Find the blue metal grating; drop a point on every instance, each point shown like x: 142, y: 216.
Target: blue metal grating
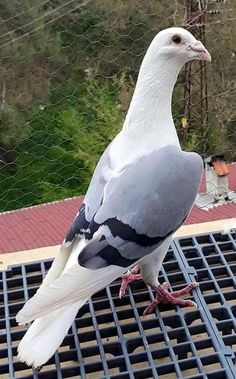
x: 111, y: 339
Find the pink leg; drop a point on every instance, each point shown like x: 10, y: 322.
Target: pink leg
x: 165, y: 297
x: 129, y: 277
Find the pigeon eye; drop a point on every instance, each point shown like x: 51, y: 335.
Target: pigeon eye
x: 177, y: 39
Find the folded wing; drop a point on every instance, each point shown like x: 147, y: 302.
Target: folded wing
x: 141, y: 207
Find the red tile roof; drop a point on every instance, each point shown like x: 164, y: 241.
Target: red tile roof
x: 46, y: 224
x: 38, y: 226
x: 221, y: 212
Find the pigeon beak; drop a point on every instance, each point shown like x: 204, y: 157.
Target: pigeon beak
x: 201, y: 51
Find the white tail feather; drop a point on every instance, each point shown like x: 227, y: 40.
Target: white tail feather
x: 54, y: 306
x: 46, y: 334
x: 73, y: 286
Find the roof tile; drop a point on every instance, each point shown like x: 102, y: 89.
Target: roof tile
x: 46, y: 224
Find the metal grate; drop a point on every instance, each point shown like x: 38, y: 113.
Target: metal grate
x: 111, y: 339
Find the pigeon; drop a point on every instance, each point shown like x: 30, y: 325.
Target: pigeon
x: 141, y: 192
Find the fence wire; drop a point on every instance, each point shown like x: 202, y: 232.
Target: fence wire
x: 68, y: 71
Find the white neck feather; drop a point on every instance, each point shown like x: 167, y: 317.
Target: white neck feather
x: 150, y: 113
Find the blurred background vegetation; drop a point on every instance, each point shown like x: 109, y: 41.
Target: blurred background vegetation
x: 67, y: 76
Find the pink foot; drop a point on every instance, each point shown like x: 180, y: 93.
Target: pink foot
x: 129, y: 277
x: 165, y: 297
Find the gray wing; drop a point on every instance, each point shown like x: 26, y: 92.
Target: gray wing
x: 85, y: 214
x: 141, y: 207
x: 92, y: 200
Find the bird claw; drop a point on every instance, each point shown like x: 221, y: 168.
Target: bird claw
x: 129, y: 277
x: 166, y: 297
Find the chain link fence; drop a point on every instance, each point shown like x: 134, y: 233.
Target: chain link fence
x: 68, y: 71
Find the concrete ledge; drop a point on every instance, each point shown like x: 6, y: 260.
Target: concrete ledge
x: 223, y: 226
x: 18, y: 257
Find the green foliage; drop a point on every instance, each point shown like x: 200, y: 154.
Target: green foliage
x: 66, y: 83
x: 59, y: 154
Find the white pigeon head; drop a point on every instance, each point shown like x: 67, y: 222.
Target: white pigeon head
x: 179, y: 44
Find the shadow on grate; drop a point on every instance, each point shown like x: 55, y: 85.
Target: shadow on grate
x: 111, y: 339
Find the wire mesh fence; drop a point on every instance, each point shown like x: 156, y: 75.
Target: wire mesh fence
x: 68, y: 71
